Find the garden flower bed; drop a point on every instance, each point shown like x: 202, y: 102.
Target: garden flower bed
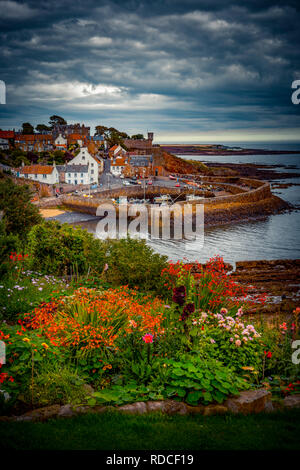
x: 190, y: 349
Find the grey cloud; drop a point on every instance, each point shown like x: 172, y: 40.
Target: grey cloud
x: 232, y: 64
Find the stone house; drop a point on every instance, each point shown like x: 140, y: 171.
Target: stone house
x: 142, y: 145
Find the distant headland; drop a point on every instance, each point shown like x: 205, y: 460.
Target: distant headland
x: 214, y: 149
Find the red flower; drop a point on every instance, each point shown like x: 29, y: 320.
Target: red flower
x: 148, y: 338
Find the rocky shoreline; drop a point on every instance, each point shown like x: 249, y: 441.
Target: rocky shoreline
x: 215, y: 151
x: 279, y: 279
x: 257, y: 171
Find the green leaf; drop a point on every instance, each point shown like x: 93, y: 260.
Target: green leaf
x: 178, y: 372
x: 193, y: 397
x: 180, y: 392
x: 207, y: 396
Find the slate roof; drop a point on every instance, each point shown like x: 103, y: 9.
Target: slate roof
x: 140, y: 160
x: 76, y: 168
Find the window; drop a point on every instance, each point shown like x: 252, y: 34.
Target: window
x: 44, y: 176
x: 83, y: 157
x: 69, y: 182
x: 69, y: 175
x: 75, y: 175
x: 92, y: 164
x: 81, y: 181
x: 92, y: 172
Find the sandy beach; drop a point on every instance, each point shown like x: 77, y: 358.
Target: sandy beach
x: 45, y: 213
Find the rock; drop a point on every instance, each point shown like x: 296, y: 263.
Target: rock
x: 175, y: 407
x: 292, y: 401
x: 24, y: 418
x: 39, y: 414
x: 196, y: 410
x: 139, y: 407
x: 250, y: 401
x: 4, y: 419
x: 155, y: 406
x: 67, y: 411
x: 269, y: 408
x: 214, y: 410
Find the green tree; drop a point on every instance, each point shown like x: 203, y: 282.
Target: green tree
x: 138, y: 136
x: 27, y: 128
x: 42, y: 127
x: 56, y: 120
x: 59, y: 157
x: 19, y: 214
x: 17, y: 156
x: 100, y: 130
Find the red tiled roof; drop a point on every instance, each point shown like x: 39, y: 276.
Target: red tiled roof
x: 118, y: 162
x: 97, y: 159
x: 7, y: 134
x: 75, y: 136
x: 114, y: 147
x: 33, y: 137
x: 37, y: 170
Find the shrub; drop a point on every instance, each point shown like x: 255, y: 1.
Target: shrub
x: 8, y: 243
x: 56, y: 384
x: 20, y: 215
x: 61, y: 249
x: 209, y: 288
x: 133, y: 263
x: 26, y: 351
x: 229, y: 339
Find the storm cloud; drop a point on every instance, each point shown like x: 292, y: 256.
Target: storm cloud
x: 188, y: 70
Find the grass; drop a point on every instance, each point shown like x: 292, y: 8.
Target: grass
x: 114, y: 431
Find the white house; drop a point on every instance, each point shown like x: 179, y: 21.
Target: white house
x: 41, y: 173
x: 4, y: 144
x: 117, y: 165
x: 61, y: 143
x: 95, y: 165
x: 77, y: 174
x: 116, y: 150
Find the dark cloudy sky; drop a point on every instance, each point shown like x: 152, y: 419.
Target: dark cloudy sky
x: 188, y: 70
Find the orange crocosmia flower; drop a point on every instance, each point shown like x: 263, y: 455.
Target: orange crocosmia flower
x: 87, y: 320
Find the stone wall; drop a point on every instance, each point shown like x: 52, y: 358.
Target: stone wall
x: 261, y: 192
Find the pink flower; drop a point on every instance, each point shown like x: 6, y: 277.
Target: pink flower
x: 212, y: 341
x: 148, y: 338
x: 105, y: 267
x: 238, y: 343
x: 231, y: 340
